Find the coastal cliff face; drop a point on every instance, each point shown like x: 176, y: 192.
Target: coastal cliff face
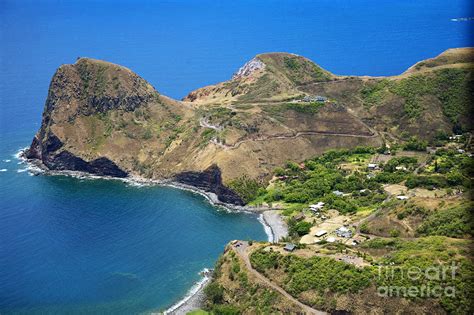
x: 210, y: 180
x: 83, y: 90
x: 104, y: 119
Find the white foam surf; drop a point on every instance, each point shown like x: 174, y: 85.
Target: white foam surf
x: 267, y: 228
x: 195, y: 289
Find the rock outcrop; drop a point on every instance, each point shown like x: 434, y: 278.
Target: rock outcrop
x: 49, y: 153
x: 210, y: 180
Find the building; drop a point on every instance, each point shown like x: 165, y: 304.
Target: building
x: 289, y: 247
x: 338, y: 193
x: 372, y: 166
x: 331, y: 239
x: 317, y: 207
x: 317, y: 98
x: 401, y: 197
x: 320, y: 233
x: 300, y: 216
x: 344, y: 232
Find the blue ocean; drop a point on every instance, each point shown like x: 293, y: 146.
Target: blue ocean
x: 72, y: 245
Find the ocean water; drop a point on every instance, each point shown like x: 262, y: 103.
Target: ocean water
x: 97, y: 246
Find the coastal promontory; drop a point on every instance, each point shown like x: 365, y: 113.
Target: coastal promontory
x: 104, y: 119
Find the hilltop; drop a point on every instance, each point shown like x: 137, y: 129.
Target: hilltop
x: 104, y: 119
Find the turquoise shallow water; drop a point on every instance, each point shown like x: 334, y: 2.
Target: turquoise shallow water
x: 96, y: 246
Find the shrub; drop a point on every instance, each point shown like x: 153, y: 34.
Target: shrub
x: 247, y: 188
x: 299, y: 228
x: 453, y: 222
x: 414, y: 144
x: 214, y: 292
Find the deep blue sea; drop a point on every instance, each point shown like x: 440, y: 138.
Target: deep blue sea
x: 96, y: 246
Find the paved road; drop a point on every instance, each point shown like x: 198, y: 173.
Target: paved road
x: 242, y: 252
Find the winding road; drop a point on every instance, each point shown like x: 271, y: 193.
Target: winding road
x: 293, y: 136
x: 205, y: 124
x: 243, y: 253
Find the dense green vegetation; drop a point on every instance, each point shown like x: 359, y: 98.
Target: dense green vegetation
x: 428, y: 256
x: 452, y: 87
x: 318, y: 273
x: 250, y: 297
x: 318, y: 178
x: 298, y: 228
x: 423, y: 254
x: 247, y: 188
x: 414, y: 144
x: 453, y: 222
x: 374, y: 92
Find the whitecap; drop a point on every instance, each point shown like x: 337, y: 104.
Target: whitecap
x: 21, y: 170
x: 3, y: 170
x: 19, y: 154
x: 7, y: 161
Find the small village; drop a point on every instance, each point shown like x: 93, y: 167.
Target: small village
x: 329, y: 226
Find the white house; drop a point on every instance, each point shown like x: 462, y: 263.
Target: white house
x: 401, y: 197
x: 317, y: 207
x: 320, y: 233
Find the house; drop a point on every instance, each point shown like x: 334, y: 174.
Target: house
x: 370, y: 175
x: 331, y: 239
x: 401, y: 197
x: 338, y: 193
x: 372, y: 166
x: 317, y: 98
x: 317, y: 207
x: 354, y: 243
x: 320, y: 233
x: 344, y: 232
x: 461, y: 151
x: 289, y: 247
x: 400, y: 168
x: 300, y: 216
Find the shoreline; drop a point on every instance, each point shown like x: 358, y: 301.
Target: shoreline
x: 194, y: 297
x: 274, y: 226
